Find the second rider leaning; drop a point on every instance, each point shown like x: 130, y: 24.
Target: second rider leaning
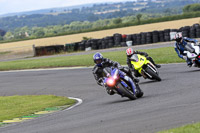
x: 130, y: 52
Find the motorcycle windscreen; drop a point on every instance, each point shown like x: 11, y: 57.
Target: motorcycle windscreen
x: 137, y: 61
x: 115, y: 73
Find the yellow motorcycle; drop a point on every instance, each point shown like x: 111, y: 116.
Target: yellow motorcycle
x: 145, y: 67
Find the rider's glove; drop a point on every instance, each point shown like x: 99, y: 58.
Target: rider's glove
x: 120, y: 68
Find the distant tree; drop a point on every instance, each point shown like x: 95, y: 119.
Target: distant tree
x: 8, y: 36
x: 2, y: 32
x: 191, y: 8
x: 1, y: 38
x: 39, y: 33
x: 117, y: 20
x: 139, y: 17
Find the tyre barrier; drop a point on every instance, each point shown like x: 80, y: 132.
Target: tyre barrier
x: 122, y: 40
x: 143, y: 37
x: 161, y: 36
x: 134, y: 37
x: 149, y: 37
x: 49, y: 50
x: 155, y: 36
x: 138, y: 39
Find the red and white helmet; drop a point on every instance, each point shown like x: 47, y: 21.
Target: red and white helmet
x: 178, y: 36
x: 129, y: 51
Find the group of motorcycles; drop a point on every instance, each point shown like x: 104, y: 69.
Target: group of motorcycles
x: 147, y: 69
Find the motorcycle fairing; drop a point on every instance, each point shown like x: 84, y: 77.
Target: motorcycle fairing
x: 138, y: 61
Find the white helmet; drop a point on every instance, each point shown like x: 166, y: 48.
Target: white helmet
x: 178, y: 37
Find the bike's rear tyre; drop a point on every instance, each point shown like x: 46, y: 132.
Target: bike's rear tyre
x: 125, y: 92
x: 153, y: 74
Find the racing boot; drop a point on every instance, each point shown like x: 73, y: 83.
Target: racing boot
x: 189, y: 62
x: 157, y: 65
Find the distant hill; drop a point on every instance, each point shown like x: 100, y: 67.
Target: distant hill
x: 92, y: 12
x: 45, y: 11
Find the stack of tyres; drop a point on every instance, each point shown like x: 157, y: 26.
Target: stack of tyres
x: 155, y: 36
x: 76, y: 46
x: 88, y: 45
x: 186, y: 31
x: 117, y: 39
x: 149, y: 37
x: 161, y: 36
x: 192, y: 32
x: 94, y: 44
x: 103, y: 43
x: 197, y: 27
x: 82, y: 45
x: 143, y: 37
x: 110, y: 41
x: 124, y: 37
x: 99, y: 43
x: 134, y: 38
x: 128, y: 38
x: 167, y: 35
x: 138, y: 39
x: 69, y: 47
x: 106, y: 42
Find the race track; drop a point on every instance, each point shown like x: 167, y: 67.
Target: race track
x: 170, y: 103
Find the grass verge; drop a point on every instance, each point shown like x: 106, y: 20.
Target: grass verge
x: 191, y: 128
x: 160, y: 55
x: 18, y: 106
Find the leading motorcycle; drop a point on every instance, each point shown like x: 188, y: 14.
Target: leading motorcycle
x: 193, y: 53
x: 115, y: 81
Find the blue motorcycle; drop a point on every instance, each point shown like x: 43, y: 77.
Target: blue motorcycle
x: 121, y: 84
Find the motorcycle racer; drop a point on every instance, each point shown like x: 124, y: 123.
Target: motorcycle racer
x: 130, y: 52
x: 101, y: 63
x: 180, y: 44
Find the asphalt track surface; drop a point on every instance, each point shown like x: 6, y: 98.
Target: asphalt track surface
x: 173, y: 102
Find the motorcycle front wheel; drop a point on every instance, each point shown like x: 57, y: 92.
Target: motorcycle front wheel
x: 153, y: 74
x: 125, y: 92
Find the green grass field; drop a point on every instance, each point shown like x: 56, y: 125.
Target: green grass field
x: 18, y: 106
x: 191, y: 128
x: 160, y: 55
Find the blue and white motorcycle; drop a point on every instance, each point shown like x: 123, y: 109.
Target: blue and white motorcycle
x: 121, y: 83
x: 193, y: 53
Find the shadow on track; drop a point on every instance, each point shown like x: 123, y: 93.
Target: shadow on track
x: 149, y: 82
x: 189, y: 70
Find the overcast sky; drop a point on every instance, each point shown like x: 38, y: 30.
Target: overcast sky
x: 12, y: 6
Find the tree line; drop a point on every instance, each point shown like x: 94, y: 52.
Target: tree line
x: 26, y: 32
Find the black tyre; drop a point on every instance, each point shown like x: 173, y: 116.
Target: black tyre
x: 125, y: 92
x: 140, y: 92
x: 153, y: 74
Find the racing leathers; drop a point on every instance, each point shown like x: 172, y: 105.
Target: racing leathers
x: 99, y: 73
x: 180, y: 47
x: 128, y: 61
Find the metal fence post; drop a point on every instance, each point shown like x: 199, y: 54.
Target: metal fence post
x: 34, y: 51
